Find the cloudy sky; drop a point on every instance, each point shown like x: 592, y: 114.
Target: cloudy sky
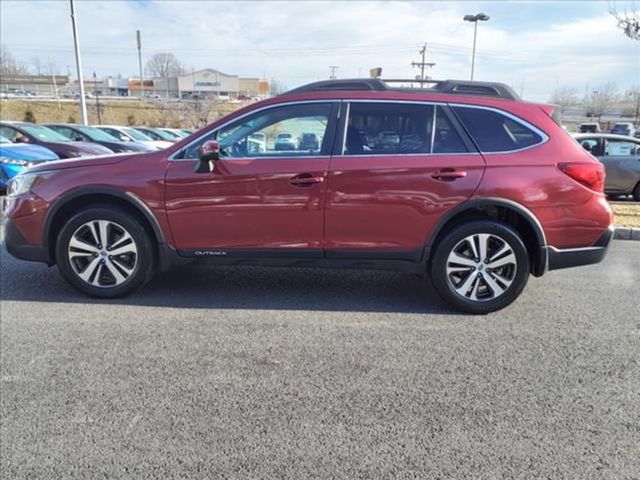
x: 533, y: 46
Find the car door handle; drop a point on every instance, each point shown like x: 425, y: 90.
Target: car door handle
x: 448, y: 174
x: 305, y: 180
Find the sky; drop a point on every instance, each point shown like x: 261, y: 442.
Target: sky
x: 532, y: 46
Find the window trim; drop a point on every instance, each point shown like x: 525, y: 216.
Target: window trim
x: 524, y: 123
x: 172, y: 158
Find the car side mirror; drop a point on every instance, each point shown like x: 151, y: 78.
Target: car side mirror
x: 209, y: 154
x: 21, y: 139
x: 78, y: 138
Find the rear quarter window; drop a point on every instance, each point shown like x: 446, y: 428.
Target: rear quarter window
x: 493, y: 131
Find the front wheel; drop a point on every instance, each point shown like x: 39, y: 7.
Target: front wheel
x: 104, y: 252
x: 480, y: 267
x: 636, y: 193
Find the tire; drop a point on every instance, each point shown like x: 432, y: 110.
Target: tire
x: 636, y: 193
x: 92, y: 267
x: 457, y: 268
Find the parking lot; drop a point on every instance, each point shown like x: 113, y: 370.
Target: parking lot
x: 256, y: 373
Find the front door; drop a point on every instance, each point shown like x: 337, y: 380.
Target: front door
x: 267, y: 191
x: 401, y: 167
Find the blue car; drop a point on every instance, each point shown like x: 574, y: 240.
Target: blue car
x: 15, y: 157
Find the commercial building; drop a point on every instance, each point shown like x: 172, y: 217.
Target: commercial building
x: 37, y: 84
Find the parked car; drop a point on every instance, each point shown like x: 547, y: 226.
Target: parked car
x: 285, y: 141
x: 309, y: 141
x: 24, y: 132
x: 158, y: 134
x: 620, y: 156
x: 589, y: 127
x: 83, y: 133
x: 487, y: 190
x: 178, y: 133
x: 130, y: 134
x: 624, y: 128
x: 15, y: 157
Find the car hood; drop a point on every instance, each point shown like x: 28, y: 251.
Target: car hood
x: 81, y: 162
x: 23, y: 151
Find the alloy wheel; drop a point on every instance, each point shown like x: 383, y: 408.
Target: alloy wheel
x: 102, y: 253
x: 481, y: 267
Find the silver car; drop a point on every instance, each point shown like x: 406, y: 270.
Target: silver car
x: 620, y: 156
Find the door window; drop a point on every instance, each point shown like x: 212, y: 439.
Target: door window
x: 288, y: 131
x: 621, y: 148
x: 388, y: 128
x: 446, y: 138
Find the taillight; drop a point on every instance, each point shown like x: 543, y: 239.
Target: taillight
x: 591, y: 174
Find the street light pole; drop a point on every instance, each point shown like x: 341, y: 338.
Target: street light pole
x: 474, y: 19
x: 76, y: 45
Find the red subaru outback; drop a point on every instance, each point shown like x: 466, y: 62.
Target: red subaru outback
x: 462, y: 181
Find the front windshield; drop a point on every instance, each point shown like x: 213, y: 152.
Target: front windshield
x: 136, y: 135
x: 44, y: 133
x: 97, y: 134
x: 169, y: 135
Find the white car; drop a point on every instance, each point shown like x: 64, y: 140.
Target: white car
x: 129, y: 134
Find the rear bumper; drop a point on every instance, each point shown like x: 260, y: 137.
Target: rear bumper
x: 575, y: 257
x: 20, y: 248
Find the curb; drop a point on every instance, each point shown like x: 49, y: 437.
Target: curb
x: 626, y: 233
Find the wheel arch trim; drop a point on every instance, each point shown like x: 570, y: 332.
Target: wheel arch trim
x: 484, y: 202
x: 128, y: 197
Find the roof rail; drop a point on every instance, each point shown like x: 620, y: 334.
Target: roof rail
x: 457, y: 87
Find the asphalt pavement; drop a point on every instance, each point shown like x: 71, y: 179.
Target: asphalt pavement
x: 267, y: 373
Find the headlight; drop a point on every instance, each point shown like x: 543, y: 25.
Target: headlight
x: 15, y: 161
x: 23, y: 183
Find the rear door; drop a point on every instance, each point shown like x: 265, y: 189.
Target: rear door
x: 397, y: 169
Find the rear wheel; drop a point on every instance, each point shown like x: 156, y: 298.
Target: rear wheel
x: 480, y: 267
x: 104, y: 252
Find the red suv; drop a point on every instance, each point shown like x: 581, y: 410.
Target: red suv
x: 462, y: 181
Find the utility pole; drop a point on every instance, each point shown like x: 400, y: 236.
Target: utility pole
x: 95, y: 92
x: 76, y: 44
x: 422, y: 64
x: 139, y: 41
x: 332, y: 75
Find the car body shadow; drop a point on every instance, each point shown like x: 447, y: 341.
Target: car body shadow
x: 214, y: 287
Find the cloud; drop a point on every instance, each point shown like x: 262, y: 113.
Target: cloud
x: 295, y: 42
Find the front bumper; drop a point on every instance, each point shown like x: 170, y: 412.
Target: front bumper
x: 20, y: 248
x: 575, y: 257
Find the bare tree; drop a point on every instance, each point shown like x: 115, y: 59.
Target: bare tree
x: 164, y: 65
x: 628, y: 21
x: 276, y: 88
x: 9, y: 67
x: 564, y: 97
x: 601, y: 99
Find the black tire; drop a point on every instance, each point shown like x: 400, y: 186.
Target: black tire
x: 141, y: 264
x: 486, y: 301
x: 636, y: 193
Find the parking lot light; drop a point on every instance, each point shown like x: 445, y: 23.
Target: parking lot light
x: 482, y: 17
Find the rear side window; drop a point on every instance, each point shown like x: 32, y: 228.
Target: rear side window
x: 494, y: 132
x: 388, y: 128
x: 446, y: 138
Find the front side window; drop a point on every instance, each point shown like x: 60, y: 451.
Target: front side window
x: 284, y: 131
x: 494, y: 132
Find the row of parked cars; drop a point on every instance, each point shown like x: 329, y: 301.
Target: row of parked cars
x: 24, y: 144
x: 627, y: 129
